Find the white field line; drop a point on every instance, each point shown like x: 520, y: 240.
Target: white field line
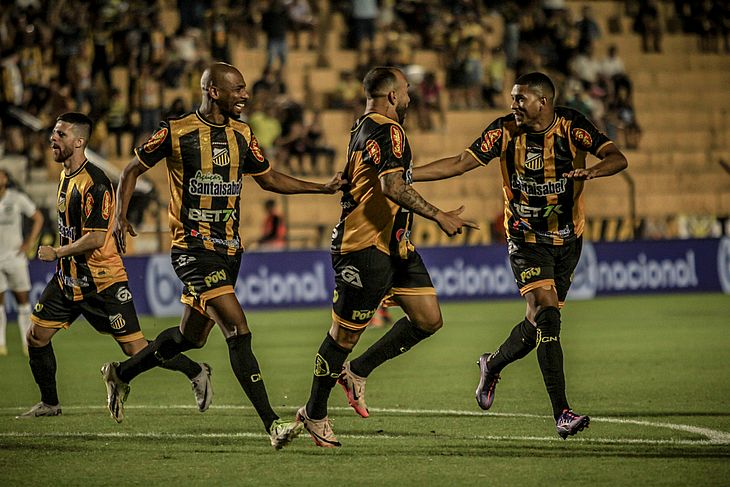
x: 713, y: 437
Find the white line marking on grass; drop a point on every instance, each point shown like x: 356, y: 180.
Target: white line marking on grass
x: 713, y: 437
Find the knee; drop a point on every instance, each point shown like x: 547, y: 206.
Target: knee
x: 548, y: 320
x: 35, y: 338
x: 430, y: 322
x: 190, y: 342
x: 347, y: 339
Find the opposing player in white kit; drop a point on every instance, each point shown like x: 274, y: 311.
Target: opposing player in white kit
x: 13, y: 262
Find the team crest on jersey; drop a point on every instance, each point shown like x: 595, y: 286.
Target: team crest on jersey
x: 255, y: 149
x: 490, y: 138
x: 373, y: 151
x: 88, y: 205
x: 396, y: 139
x: 156, y: 140
x: 106, y: 205
x: 221, y: 157
x: 583, y: 137
x: 534, y: 160
x: 62, y: 204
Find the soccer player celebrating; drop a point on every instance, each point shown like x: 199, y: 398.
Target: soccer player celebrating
x: 542, y: 153
x: 208, y: 152
x: 90, y: 278
x: 373, y: 256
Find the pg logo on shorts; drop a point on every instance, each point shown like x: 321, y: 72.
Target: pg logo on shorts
x: 351, y: 275
x: 123, y: 295
x: 529, y: 273
x: 215, y: 277
x: 117, y: 321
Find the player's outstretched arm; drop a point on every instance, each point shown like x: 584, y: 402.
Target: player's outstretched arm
x: 445, y: 168
x: 612, y: 161
x: 127, y: 183
x: 278, y: 182
x: 394, y: 188
x: 89, y: 241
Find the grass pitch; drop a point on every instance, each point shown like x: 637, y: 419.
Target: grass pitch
x: 653, y: 373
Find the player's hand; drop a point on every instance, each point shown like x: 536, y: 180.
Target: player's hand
x: 580, y: 174
x: 334, y: 184
x: 47, y: 253
x: 451, y: 224
x: 120, y: 230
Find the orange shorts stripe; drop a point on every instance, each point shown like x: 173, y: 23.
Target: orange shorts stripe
x: 534, y: 285
x: 200, y: 303
x: 406, y: 291
x: 57, y: 325
x: 348, y: 324
x: 130, y: 338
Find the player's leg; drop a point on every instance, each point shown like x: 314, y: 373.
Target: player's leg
x: 24, y: 310
x: 19, y: 283
x: 3, y: 323
x: 52, y: 313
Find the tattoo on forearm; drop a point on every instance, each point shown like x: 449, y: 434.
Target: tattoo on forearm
x: 408, y: 197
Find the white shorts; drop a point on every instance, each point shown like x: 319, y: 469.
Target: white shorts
x: 14, y: 274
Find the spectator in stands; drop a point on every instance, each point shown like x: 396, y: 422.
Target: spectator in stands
x: 648, y: 25
x: 273, y: 235
x: 364, y: 16
x: 303, y: 20
x: 308, y: 140
x: 265, y: 124
x: 431, y: 101
x: 588, y: 29
x: 275, y: 23
x: 117, y: 119
x: 621, y: 122
x: 270, y: 84
x: 611, y: 72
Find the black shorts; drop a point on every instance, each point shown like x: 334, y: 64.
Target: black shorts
x: 365, y: 278
x: 206, y: 274
x: 110, y: 311
x: 536, y: 265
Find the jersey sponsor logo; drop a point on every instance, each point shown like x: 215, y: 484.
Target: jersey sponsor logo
x: 88, y: 205
x: 221, y: 157
x: 526, y: 211
x: 489, y: 139
x: 106, y: 205
x: 529, y: 273
x: 351, y: 275
x: 531, y: 187
x: 396, y: 139
x: 66, y: 231
x: 207, y: 184
x: 583, y: 137
x: 233, y: 243
x: 117, y: 321
x: 211, y: 216
x: 373, y: 150
x: 255, y: 149
x: 75, y: 281
x: 156, y: 140
x: 534, y: 160
x: 215, y: 277
x: 123, y: 295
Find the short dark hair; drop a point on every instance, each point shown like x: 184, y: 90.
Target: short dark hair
x: 84, y: 123
x: 540, y: 81
x: 379, y: 81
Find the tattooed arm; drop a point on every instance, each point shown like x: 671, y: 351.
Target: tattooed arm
x: 396, y: 190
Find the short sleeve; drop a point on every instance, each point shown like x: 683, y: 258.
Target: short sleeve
x: 385, y: 149
x: 157, y: 147
x: 586, y: 136
x: 489, y: 144
x: 98, y: 206
x: 254, y: 162
x: 27, y: 207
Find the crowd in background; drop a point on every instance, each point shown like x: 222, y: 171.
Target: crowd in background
x: 60, y: 56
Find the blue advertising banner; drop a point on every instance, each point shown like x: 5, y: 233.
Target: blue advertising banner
x: 305, y: 278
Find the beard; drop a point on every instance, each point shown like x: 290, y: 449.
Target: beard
x: 400, y: 112
x: 63, y: 154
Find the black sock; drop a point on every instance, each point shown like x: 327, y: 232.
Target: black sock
x: 550, y: 357
x: 399, y: 339
x: 248, y: 373
x: 520, y: 342
x: 165, y: 347
x: 181, y: 363
x: 43, y: 365
x: 327, y: 367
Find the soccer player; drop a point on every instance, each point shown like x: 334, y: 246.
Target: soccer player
x: 90, y: 278
x: 542, y: 152
x: 373, y: 256
x: 13, y: 261
x: 208, y: 152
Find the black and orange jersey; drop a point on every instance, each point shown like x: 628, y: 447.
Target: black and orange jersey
x: 541, y: 205
x: 206, y: 163
x: 378, y: 146
x: 85, y: 203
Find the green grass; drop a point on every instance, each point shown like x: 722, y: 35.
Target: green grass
x: 642, y: 367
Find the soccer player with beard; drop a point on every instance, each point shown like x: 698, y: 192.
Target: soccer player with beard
x: 90, y: 278
x: 207, y: 152
x: 542, y: 152
x: 372, y: 254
